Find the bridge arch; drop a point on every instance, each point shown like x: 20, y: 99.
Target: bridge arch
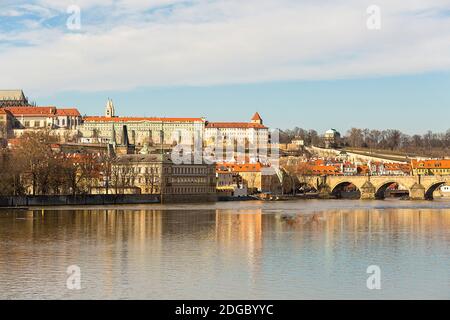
x: 346, y: 188
x: 380, y: 191
x: 431, y: 189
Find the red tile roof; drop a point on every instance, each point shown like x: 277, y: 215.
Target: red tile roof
x: 131, y: 119
x: 247, y: 167
x: 397, y: 167
x: 25, y: 111
x: 321, y: 169
x: 71, y: 112
x: 240, y: 125
x: 46, y: 111
x: 256, y: 117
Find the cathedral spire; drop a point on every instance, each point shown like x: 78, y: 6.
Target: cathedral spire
x: 109, y: 110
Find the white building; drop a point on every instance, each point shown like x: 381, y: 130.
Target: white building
x: 43, y: 117
x: 332, y: 138
x: 245, y: 134
x: 140, y: 129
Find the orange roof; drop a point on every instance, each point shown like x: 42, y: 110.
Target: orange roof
x: 319, y: 162
x: 362, y: 169
x: 397, y: 166
x: 25, y: 111
x: 324, y: 169
x: 130, y: 119
x: 431, y: 164
x: 46, y: 111
x: 256, y: 116
x: 68, y: 112
x: 247, y: 167
x: 241, y: 125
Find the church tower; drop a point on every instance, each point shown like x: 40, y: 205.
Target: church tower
x: 109, y: 110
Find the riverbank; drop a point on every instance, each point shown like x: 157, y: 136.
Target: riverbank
x: 111, y: 201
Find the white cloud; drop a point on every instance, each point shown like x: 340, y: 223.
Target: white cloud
x: 217, y: 42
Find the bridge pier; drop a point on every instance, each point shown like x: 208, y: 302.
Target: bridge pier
x: 368, y: 191
x: 417, y: 192
x: 324, y: 192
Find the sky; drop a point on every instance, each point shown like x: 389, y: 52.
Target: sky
x: 312, y: 64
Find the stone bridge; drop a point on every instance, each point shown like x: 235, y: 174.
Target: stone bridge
x: 374, y: 187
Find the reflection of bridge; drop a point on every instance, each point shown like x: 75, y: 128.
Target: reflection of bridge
x: 374, y: 187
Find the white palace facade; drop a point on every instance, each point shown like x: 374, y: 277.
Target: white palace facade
x: 140, y: 129
x: 143, y: 130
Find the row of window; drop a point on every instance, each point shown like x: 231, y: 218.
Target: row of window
x: 190, y: 170
x: 433, y: 171
x: 42, y: 123
x: 192, y: 190
x: 188, y: 180
x: 151, y: 170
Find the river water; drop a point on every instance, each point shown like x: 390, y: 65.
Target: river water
x: 315, y: 249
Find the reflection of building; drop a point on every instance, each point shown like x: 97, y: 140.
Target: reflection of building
x: 241, y: 225
x: 431, y: 167
x: 13, y: 98
x: 332, y: 138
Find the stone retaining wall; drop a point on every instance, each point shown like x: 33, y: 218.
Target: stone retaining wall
x: 93, y: 199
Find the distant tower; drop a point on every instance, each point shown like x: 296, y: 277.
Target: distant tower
x: 109, y: 110
x: 125, y: 147
x: 125, y: 141
x: 257, y: 118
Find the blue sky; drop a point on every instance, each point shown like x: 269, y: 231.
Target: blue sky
x: 312, y: 64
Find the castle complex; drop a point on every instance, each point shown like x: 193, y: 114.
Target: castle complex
x: 18, y: 116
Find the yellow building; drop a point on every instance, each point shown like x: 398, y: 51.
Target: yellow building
x: 157, y: 174
x: 431, y: 167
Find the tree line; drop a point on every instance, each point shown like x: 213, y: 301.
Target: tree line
x: 428, y: 144
x: 35, y: 166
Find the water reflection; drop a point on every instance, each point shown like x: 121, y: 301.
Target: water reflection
x: 225, y: 253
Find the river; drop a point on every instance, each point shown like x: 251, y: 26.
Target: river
x: 307, y: 249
